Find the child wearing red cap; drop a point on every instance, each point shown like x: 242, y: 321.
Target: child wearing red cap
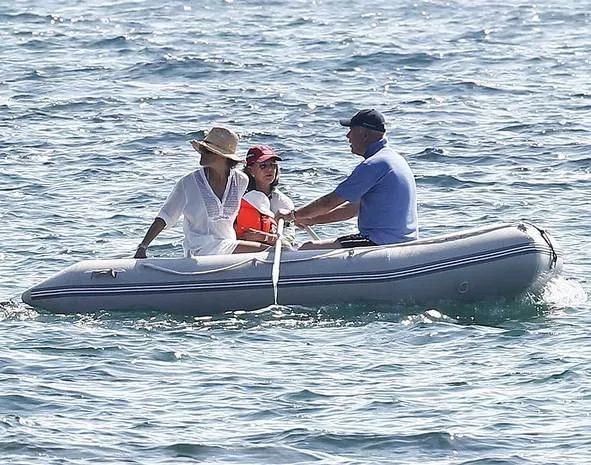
x: 255, y: 221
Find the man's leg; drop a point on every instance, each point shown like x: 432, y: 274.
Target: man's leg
x: 323, y: 244
x: 344, y: 242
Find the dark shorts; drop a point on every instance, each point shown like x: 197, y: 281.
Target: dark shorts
x: 355, y: 240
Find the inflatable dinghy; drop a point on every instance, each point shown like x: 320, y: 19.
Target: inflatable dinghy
x: 500, y: 260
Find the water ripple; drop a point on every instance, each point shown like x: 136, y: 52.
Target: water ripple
x: 98, y: 105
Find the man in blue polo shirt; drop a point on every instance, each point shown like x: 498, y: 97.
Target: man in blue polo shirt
x: 380, y: 191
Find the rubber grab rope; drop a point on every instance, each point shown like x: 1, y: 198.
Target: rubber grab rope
x: 546, y: 237
x: 329, y: 254
x: 254, y: 261
x: 189, y: 273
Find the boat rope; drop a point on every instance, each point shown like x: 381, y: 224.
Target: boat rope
x: 547, y: 240
x: 331, y: 253
x: 188, y: 273
x: 256, y: 260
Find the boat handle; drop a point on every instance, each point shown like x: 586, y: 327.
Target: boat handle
x: 103, y: 273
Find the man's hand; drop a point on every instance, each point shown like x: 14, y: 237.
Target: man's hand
x: 140, y: 252
x: 285, y: 215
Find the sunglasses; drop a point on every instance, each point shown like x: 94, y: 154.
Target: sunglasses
x: 267, y: 164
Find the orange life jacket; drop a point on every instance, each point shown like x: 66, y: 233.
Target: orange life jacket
x: 250, y: 217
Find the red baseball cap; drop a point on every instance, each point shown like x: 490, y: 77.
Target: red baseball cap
x: 258, y: 153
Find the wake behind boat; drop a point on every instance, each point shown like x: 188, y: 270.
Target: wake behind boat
x: 500, y: 260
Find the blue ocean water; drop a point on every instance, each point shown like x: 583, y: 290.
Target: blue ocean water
x: 489, y: 101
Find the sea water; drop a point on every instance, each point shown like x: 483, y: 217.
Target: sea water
x: 490, y: 102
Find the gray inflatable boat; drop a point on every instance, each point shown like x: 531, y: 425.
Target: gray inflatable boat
x: 500, y: 260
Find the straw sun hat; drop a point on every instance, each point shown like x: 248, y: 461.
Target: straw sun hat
x: 220, y: 141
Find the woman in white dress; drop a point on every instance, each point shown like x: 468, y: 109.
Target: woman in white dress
x: 208, y: 199
x: 262, y: 192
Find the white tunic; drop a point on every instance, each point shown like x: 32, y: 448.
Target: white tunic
x: 208, y: 223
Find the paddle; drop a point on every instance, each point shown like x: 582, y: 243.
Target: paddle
x: 277, y: 258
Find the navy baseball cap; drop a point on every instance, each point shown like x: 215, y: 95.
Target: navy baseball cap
x: 368, y: 118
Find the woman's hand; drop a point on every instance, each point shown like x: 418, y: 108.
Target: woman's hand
x: 256, y: 235
x: 157, y: 225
